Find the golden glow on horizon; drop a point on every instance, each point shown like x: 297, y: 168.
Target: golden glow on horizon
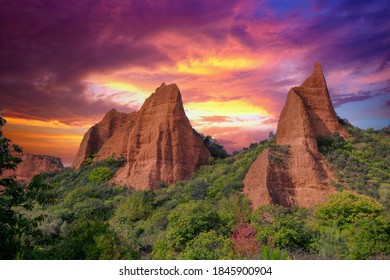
x: 227, y: 108
x: 47, y: 137
x: 215, y: 65
x: 38, y: 123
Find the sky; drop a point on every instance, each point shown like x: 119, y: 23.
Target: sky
x: 64, y: 64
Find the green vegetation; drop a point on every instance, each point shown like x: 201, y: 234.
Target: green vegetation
x: 207, y: 216
x: 216, y: 149
x: 16, y: 228
x: 361, y: 163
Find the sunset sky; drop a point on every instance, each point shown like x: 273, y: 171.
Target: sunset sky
x: 63, y: 64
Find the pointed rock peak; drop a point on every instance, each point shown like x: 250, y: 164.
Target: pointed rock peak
x: 317, y: 67
x: 164, y: 87
x: 317, y: 79
x: 166, y: 94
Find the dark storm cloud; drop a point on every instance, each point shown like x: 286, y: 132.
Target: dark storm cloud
x: 49, y: 47
x: 350, y: 33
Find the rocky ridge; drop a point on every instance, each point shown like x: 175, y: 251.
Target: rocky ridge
x: 32, y: 165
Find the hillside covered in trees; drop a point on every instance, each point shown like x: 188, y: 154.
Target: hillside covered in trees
x: 81, y: 214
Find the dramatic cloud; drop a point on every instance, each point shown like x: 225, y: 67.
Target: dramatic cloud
x: 215, y: 119
x: 68, y: 62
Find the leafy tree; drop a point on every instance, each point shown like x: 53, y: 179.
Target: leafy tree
x: 351, y: 226
x: 345, y: 209
x: 271, y: 136
x: 188, y: 220
x: 244, y: 241
x: 14, y: 226
x: 135, y: 207
x: 370, y: 238
x: 100, y: 174
x: 282, y: 227
x: 208, y: 246
x: 88, y: 239
x: 216, y: 149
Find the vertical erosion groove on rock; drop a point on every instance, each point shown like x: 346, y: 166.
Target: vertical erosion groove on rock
x: 158, y: 141
x: 294, y: 172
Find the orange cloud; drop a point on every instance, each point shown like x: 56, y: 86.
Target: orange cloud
x: 214, y: 119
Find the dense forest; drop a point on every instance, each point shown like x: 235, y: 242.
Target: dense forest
x: 80, y: 214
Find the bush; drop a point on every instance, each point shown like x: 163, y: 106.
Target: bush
x: 216, y: 149
x: 135, y: 207
x: 282, y: 227
x: 351, y: 226
x: 208, y: 246
x: 88, y: 239
x: 346, y: 208
x: 188, y: 220
x: 244, y: 241
x: 100, y: 174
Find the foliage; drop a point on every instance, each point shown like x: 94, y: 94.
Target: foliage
x: 234, y: 210
x: 15, y: 227
x: 346, y: 208
x: 187, y: 221
x: 361, y: 163
x: 208, y: 246
x: 281, y: 227
x: 269, y: 253
x: 208, y: 217
x: 216, y: 149
x: 100, y: 174
x: 244, y: 241
x: 351, y: 226
x: 88, y: 239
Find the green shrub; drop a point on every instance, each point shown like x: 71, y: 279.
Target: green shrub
x: 188, y: 220
x: 88, y: 239
x: 351, y: 226
x: 100, y: 174
x: 346, y: 208
x: 269, y: 253
x: 282, y: 227
x: 208, y: 246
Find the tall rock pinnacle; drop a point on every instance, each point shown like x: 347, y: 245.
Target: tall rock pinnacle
x: 300, y: 176
x: 157, y: 141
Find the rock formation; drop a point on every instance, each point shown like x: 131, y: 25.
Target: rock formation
x: 157, y: 141
x: 98, y: 134
x: 32, y: 165
x: 294, y: 172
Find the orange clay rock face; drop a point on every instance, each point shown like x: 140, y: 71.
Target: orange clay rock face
x: 32, y: 165
x: 294, y: 172
x: 158, y: 142
x: 98, y: 135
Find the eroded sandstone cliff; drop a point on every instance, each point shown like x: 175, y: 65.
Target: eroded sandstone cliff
x: 299, y: 177
x: 32, y: 165
x: 158, y: 141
